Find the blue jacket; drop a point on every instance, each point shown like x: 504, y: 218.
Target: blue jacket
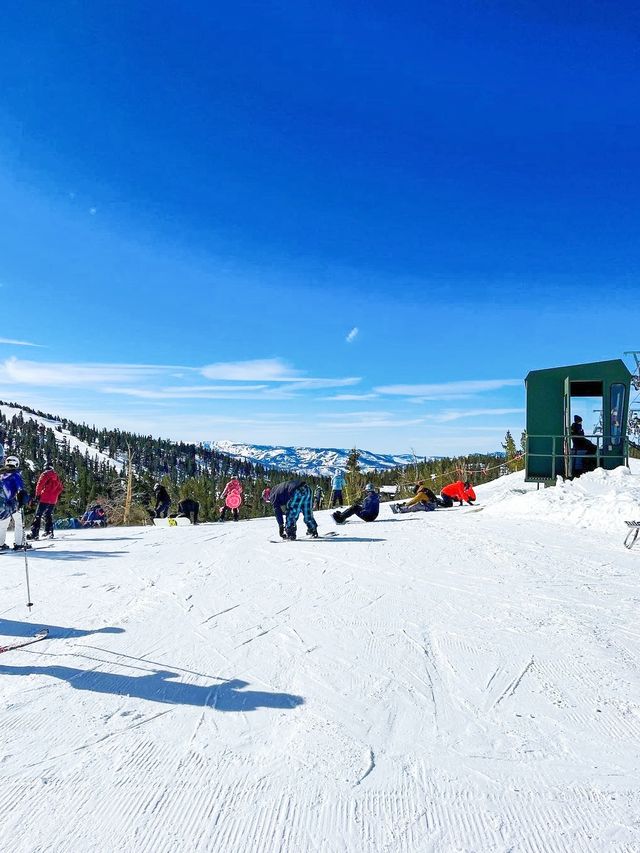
x: 11, y: 484
x: 337, y: 483
x: 281, y: 495
x: 371, y: 504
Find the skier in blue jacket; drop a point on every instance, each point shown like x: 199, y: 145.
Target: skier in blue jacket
x: 12, y: 498
x: 288, y: 500
x: 367, y: 509
x: 337, y: 485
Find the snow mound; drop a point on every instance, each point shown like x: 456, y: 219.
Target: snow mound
x: 601, y: 499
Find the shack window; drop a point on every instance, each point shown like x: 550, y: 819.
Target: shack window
x: 617, y: 408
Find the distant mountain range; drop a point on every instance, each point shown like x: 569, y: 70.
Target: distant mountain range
x: 321, y: 461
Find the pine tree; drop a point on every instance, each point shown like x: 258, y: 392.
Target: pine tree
x: 354, y: 480
x: 510, y: 452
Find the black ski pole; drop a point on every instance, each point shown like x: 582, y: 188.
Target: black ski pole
x: 26, y: 561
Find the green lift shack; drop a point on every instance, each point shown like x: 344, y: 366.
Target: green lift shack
x: 550, y: 450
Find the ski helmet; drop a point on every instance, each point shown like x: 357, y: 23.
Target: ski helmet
x: 369, y: 487
x: 12, y: 462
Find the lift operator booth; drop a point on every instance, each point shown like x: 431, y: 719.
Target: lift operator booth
x: 551, y: 450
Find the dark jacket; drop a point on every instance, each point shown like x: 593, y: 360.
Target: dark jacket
x: 371, y: 505
x: 188, y: 505
x: 281, y: 495
x: 162, y: 496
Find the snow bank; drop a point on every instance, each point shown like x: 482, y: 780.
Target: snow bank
x: 602, y: 500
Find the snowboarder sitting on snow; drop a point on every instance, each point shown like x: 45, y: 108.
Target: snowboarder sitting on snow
x: 12, y: 498
x: 232, y: 497
x: 367, y: 509
x: 163, y: 501
x: 337, y: 485
x: 423, y: 500
x: 189, y: 508
x: 95, y: 516
x: 289, y: 499
x: 48, y: 489
x: 458, y: 491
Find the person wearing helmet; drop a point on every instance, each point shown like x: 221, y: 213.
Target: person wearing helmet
x: 163, y: 501
x: 12, y: 498
x: 367, y: 508
x: 48, y: 489
x: 337, y: 485
x: 423, y: 500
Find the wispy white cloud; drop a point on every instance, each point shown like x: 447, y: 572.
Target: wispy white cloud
x: 442, y: 390
x: 351, y: 397
x: 454, y: 415
x: 194, y: 392
x: 69, y: 375
x: 353, y: 334
x: 256, y: 370
x: 19, y: 343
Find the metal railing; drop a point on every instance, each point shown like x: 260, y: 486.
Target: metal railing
x: 562, y: 449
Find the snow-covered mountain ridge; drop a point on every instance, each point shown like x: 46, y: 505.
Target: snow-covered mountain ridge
x: 321, y: 461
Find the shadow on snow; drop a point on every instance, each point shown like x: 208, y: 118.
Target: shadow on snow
x: 158, y: 687
x: 12, y: 628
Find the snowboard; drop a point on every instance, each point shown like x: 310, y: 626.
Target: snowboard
x: 320, y: 536
x: 172, y: 522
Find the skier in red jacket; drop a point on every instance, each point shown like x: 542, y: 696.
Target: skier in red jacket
x: 48, y: 489
x: 457, y: 491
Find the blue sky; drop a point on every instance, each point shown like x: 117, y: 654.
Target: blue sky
x: 314, y: 223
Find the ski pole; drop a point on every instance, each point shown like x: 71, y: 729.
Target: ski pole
x: 26, y: 561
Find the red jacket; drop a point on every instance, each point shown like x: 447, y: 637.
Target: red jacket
x: 458, y: 492
x: 49, y: 487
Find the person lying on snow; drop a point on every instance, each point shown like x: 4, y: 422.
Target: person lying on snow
x: 367, y: 508
x: 288, y: 500
x: 457, y: 491
x: 95, y: 516
x: 423, y: 500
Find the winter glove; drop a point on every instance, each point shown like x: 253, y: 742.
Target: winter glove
x: 281, y: 531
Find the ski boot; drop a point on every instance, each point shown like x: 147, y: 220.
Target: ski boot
x: 337, y: 517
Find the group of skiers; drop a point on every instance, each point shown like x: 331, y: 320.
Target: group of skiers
x: 14, y: 500
x: 294, y: 497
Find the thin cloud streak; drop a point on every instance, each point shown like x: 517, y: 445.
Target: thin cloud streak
x: 20, y: 343
x: 465, y: 386
x: 353, y: 334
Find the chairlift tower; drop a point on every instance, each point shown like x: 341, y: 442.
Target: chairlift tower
x: 635, y: 379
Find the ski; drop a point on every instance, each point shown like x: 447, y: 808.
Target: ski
x: 29, y: 550
x: 41, y: 635
x: 632, y: 535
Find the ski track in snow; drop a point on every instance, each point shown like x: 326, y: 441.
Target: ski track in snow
x: 464, y: 683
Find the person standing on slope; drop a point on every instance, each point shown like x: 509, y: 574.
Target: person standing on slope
x: 232, y: 497
x: 163, y: 501
x: 288, y: 500
x: 337, y: 485
x: 48, y: 489
x: 457, y: 491
x: 12, y: 498
x: 189, y: 508
x: 318, y: 498
x: 367, y: 509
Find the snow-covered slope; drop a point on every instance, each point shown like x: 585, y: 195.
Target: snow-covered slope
x: 63, y: 435
x: 309, y: 460
x: 457, y: 680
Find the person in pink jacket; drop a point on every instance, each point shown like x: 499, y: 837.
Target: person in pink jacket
x: 48, y: 489
x: 232, y: 497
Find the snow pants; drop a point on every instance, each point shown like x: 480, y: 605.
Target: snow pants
x: 43, y: 511
x: 18, y: 536
x: 300, y: 502
x: 356, y: 509
x: 336, y: 497
x: 424, y: 506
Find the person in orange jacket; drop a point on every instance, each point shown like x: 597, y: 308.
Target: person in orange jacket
x: 457, y: 491
x: 48, y: 489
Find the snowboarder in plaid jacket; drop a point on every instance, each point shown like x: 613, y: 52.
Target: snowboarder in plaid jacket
x: 288, y: 500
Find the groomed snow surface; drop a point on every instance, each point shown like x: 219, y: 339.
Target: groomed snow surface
x: 453, y: 681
